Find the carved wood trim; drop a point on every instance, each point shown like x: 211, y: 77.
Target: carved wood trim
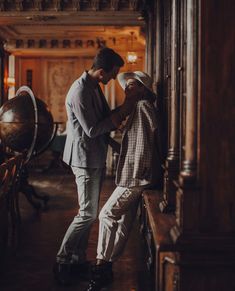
x: 189, y: 164
x: 172, y: 162
x: 38, y: 5
x: 66, y: 5
x: 150, y: 18
x: 19, y: 5
x: 158, y: 48
x: 133, y: 4
x: 55, y: 43
x: 95, y: 5
x: 171, y: 174
x: 2, y: 7
x: 114, y: 4
x: 173, y: 153
x: 76, y: 5
x: 57, y: 5
x: 169, y: 272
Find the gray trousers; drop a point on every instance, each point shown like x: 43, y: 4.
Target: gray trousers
x: 116, y: 219
x: 74, y: 244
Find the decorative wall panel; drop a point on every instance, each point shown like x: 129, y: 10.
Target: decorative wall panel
x: 60, y: 74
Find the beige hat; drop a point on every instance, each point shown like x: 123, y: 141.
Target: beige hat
x: 142, y: 77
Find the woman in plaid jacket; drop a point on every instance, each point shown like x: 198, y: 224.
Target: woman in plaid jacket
x: 138, y: 166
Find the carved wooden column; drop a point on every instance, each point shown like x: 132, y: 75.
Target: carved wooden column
x: 1, y: 73
x: 4, y: 58
x: 187, y: 200
x: 150, y: 40
x: 189, y: 165
x: 159, y: 69
x: 158, y: 48
x: 172, y: 161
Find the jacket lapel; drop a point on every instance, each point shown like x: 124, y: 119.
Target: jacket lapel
x: 103, y: 100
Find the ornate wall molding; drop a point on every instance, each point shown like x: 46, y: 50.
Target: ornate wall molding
x: 68, y: 5
x: 74, y: 42
x: 114, y: 4
x: 60, y: 75
x: 54, y: 43
x: 38, y: 5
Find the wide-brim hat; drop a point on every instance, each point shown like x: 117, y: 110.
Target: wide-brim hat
x: 142, y: 77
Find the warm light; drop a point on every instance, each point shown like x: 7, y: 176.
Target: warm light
x: 131, y: 57
x: 131, y: 54
x: 10, y: 82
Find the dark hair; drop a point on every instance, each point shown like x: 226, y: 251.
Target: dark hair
x: 150, y: 96
x: 107, y: 59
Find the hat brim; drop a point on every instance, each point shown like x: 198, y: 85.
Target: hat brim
x: 123, y: 77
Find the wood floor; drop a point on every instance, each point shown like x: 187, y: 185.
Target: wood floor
x: 30, y: 267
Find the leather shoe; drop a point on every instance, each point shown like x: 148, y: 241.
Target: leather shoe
x: 101, y: 276
x: 82, y: 271
x: 62, y: 273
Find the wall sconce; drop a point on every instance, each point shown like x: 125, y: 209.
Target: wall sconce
x: 131, y: 54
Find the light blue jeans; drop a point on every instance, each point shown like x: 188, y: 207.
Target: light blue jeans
x: 74, y: 244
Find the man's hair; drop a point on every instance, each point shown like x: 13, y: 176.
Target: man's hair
x: 107, y: 59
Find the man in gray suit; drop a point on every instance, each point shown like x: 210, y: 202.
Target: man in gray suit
x: 89, y: 122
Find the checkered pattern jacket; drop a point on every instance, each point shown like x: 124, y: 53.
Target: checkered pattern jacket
x: 137, y: 148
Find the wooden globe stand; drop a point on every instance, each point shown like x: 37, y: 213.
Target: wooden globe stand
x: 31, y: 150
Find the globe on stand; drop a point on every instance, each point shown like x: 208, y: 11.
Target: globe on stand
x: 26, y: 123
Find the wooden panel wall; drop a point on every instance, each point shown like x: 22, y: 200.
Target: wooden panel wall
x: 201, y: 249
x: 217, y: 120
x: 50, y: 79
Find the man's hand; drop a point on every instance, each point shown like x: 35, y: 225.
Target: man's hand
x: 114, y: 144
x: 124, y: 110
x: 116, y: 118
x: 127, y: 107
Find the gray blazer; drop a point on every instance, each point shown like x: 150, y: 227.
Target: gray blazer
x: 88, y: 125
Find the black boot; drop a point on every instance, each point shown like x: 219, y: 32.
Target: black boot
x: 81, y: 271
x: 62, y: 273
x: 101, y: 276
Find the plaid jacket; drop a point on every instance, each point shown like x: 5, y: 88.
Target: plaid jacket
x: 135, y: 164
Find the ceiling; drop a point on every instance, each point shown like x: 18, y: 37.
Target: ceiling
x: 41, y: 26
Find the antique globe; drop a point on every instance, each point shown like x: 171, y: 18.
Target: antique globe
x: 26, y: 123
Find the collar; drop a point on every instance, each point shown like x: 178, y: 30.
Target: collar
x: 94, y: 84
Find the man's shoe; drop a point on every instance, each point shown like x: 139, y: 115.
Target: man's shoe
x: 62, y: 273
x: 82, y: 271
x: 101, y: 276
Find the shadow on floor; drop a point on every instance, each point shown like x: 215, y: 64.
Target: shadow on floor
x: 30, y: 267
